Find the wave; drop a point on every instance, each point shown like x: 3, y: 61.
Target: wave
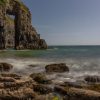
x: 53, y: 49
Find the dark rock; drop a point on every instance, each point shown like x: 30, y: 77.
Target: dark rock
x: 18, y: 33
x: 40, y: 78
x: 92, y: 79
x: 32, y: 65
x: 42, y: 89
x: 57, y: 68
x: 5, y: 67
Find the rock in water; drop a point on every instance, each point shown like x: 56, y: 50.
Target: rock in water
x: 92, y: 79
x: 5, y: 67
x: 57, y: 68
x: 18, y: 33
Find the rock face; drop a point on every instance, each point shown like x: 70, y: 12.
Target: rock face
x: 57, y: 68
x: 17, y: 31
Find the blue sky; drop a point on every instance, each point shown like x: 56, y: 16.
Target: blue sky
x: 66, y: 22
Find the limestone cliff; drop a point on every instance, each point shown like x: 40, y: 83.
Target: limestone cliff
x: 17, y: 31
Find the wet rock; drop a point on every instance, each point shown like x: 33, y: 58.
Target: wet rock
x: 92, y: 79
x: 57, y: 68
x: 5, y: 67
x: 40, y: 78
x: 77, y: 94
x: 42, y: 89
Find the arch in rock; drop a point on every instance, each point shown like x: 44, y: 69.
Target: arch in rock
x: 24, y: 33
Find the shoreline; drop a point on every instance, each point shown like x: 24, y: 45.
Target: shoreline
x: 49, y: 84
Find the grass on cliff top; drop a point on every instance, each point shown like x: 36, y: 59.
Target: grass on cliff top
x: 19, y: 1
x: 22, y: 5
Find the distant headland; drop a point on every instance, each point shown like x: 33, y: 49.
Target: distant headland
x: 17, y: 32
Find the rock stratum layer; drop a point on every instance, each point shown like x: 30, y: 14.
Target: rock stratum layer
x: 17, y: 31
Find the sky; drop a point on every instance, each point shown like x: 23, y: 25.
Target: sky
x: 66, y: 22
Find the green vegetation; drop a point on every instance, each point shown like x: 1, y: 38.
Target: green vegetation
x: 19, y: 1
x: 9, y: 19
x: 22, y: 5
x: 56, y: 98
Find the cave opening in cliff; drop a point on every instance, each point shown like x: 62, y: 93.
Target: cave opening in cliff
x: 10, y: 30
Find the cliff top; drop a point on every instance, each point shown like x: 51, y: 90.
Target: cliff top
x: 3, y: 2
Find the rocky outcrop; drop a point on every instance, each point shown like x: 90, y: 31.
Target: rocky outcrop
x: 17, y: 31
x: 57, y: 68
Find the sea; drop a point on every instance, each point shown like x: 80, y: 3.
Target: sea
x: 81, y: 60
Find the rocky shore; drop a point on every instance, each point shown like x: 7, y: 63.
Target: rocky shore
x: 37, y: 86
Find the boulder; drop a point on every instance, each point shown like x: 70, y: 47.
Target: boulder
x: 40, y: 78
x: 57, y: 68
x: 92, y: 79
x: 5, y: 67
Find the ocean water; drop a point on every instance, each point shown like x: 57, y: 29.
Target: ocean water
x: 81, y: 60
